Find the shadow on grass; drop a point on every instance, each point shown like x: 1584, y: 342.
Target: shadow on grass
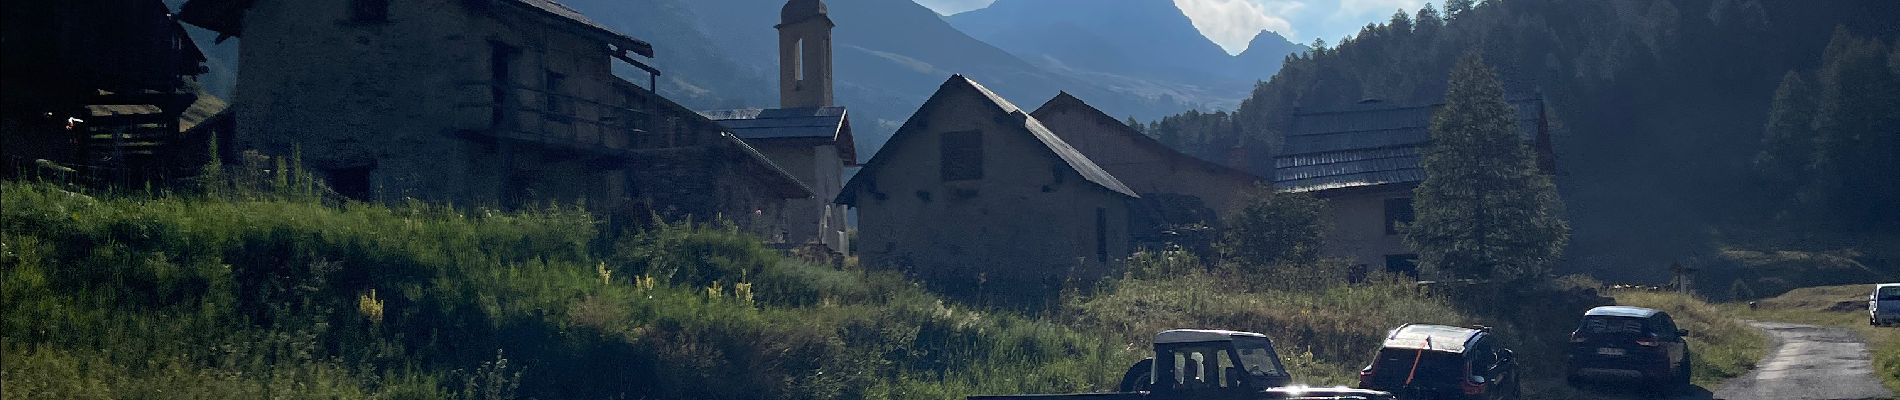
x: 1615, y: 390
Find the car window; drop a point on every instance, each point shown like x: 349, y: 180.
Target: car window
x: 1665, y: 326
x: 1259, y: 358
x: 1202, y: 367
x: 1601, y: 324
x: 1890, y: 293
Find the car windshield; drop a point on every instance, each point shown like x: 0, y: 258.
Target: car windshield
x: 1396, y: 367
x: 1611, y: 325
x: 1259, y: 358
x: 1889, y: 293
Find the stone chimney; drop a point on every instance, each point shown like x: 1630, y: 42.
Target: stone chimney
x: 804, y: 54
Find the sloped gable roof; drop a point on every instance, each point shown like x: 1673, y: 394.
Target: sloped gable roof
x: 1369, y: 145
x: 226, y: 17
x: 1065, y: 101
x: 802, y: 123
x: 1054, y: 144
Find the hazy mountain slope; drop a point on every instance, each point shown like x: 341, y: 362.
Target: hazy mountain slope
x: 891, y: 55
x: 1138, y: 46
x: 1264, y: 55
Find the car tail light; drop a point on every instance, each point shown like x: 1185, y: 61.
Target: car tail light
x: 1576, y: 337
x: 1471, y: 388
x: 1365, y: 377
x: 1648, y: 341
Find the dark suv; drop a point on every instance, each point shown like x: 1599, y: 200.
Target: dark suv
x: 1630, y: 342
x: 1442, y: 362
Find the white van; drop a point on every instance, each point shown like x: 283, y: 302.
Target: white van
x: 1883, y: 307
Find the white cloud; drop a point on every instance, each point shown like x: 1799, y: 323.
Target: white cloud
x: 1374, y: 9
x: 1233, y: 23
x: 948, y: 7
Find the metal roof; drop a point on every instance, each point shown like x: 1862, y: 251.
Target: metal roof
x: 226, y: 17
x: 562, y: 11
x: 1452, y: 339
x: 1201, y: 335
x: 1368, y: 145
x: 1066, y: 101
x: 802, y: 123
x: 1622, y: 311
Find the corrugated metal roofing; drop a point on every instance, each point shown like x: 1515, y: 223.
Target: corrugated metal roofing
x: 775, y: 123
x: 1622, y: 311
x: 564, y: 12
x: 226, y: 17
x: 1368, y: 145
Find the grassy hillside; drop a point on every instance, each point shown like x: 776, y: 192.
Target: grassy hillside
x: 186, y: 297
x: 262, y: 295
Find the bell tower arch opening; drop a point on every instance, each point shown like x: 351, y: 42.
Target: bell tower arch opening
x: 804, y: 32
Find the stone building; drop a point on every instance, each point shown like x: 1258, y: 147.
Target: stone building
x: 808, y: 136
x: 99, y: 86
x: 481, y: 102
x: 1364, y: 160
x: 973, y: 190
x: 1177, y: 190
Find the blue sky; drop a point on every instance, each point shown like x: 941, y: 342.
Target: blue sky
x: 1231, y: 23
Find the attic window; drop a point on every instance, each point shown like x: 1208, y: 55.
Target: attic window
x: 369, y: 10
x: 962, y: 155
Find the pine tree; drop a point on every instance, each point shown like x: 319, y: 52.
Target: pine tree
x: 1788, y: 140
x: 1456, y: 8
x: 1271, y: 228
x: 1485, y: 210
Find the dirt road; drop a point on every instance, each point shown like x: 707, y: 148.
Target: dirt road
x: 1809, y: 363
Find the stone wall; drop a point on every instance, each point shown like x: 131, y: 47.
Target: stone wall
x: 1030, y: 219
x: 1356, y: 230
x: 402, y: 98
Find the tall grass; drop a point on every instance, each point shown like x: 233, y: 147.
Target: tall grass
x: 243, y: 296
x: 1721, y: 345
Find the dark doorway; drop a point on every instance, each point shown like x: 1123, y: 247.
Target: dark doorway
x: 353, y: 182
x: 1406, y: 264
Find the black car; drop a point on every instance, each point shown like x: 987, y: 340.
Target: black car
x: 1442, y: 362
x: 1630, y: 342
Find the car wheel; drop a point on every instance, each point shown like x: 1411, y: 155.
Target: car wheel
x: 1684, y: 375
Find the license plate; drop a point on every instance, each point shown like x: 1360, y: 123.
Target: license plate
x: 1609, y: 351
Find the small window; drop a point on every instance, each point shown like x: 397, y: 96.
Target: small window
x: 1398, y: 213
x: 798, y: 59
x: 556, y: 94
x: 369, y: 10
x: 962, y: 155
x: 1406, y: 264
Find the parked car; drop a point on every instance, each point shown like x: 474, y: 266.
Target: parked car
x: 1205, y: 364
x: 1630, y: 342
x: 1883, y: 307
x: 1421, y: 362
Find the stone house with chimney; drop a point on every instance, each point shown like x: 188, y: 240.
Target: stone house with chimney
x: 1178, y: 191
x: 973, y: 190
x: 808, y: 135
x: 1364, y: 160
x: 504, y: 103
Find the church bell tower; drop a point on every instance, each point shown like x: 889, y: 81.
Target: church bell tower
x: 804, y: 54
